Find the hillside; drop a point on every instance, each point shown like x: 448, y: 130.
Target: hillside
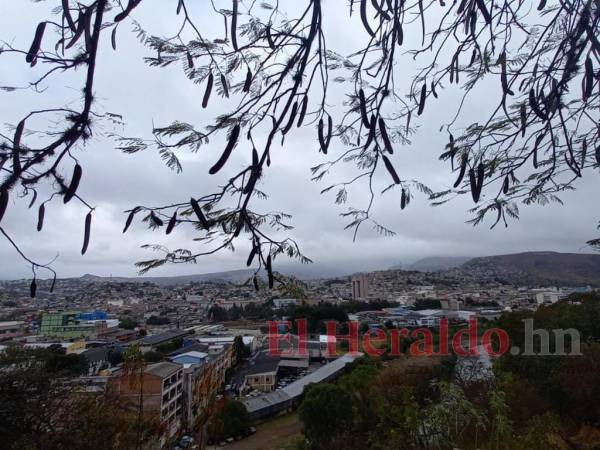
x: 232, y: 276
x: 569, y: 269
x: 437, y: 263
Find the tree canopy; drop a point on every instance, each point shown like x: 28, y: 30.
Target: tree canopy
x: 539, y: 63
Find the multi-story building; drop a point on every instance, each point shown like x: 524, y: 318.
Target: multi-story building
x: 12, y: 329
x: 204, y: 376
x: 161, y: 390
x: 360, y: 287
x: 66, y: 325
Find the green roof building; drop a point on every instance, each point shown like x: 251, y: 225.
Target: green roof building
x: 65, y: 325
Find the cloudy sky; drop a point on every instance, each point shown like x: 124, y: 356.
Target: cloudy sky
x: 145, y: 96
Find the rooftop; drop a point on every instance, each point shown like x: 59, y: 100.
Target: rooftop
x: 163, y: 369
x: 168, y: 335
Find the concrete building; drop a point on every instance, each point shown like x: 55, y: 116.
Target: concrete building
x: 11, y: 329
x: 66, y: 325
x: 360, y: 287
x: 160, y: 388
x: 204, y: 376
x: 262, y: 374
x: 153, y: 342
x: 284, y: 302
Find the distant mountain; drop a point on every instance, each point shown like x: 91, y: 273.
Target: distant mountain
x: 436, y: 263
x: 232, y: 276
x: 552, y: 268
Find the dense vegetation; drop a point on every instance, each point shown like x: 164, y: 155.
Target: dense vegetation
x: 43, y: 406
x: 531, y: 402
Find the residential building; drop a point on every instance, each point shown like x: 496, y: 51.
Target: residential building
x: 262, y: 373
x: 161, y: 390
x: 360, y: 287
x: 11, y: 329
x: 284, y: 302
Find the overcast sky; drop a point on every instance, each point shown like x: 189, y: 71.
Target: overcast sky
x: 145, y: 96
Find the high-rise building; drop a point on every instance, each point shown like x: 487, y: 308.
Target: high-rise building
x: 360, y: 287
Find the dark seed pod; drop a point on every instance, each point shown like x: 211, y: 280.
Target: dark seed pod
x: 403, y: 199
x: 240, y: 225
x: 322, y: 141
x: 473, y: 57
x: 179, y: 6
x: 130, y: 219
x: 598, y: 155
x: 291, y: 119
x: 534, y: 105
x: 3, y: 202
x: 523, y: 114
x: 78, y: 32
x: 254, y: 157
x: 72, y: 189
x: 385, y: 137
x: 37, y: 42
x: 372, y: 130
x: 248, y: 81
x: 233, y: 139
x: 541, y: 5
x: 473, y: 182
x: 251, y: 256
x: 505, y: 185
x: 270, y: 272
x: 234, y: 14
x: 463, y: 168
x: 113, y: 38
x: 480, y: 174
x: 41, y: 214
x: 67, y: 14
x: 172, y: 223
x: 190, y: 60
x: 390, y: 169
x: 588, y: 79
x: 199, y: 214
x: 480, y: 177
x: 270, y: 38
x: 422, y: 99
x: 302, y: 111
x: 224, y: 84
x: 33, y: 199
x: 156, y: 220
x: 209, y: 85
x: 363, y: 17
x: 255, y: 282
x: 503, y: 74
x: 484, y: 11
x: 363, y: 108
x: 32, y: 288
x: 433, y: 90
x: 123, y: 15
x: 583, y: 152
x: 86, y: 233
x: 17, y: 146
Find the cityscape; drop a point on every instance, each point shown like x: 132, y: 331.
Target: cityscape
x: 299, y: 225
x: 203, y: 345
